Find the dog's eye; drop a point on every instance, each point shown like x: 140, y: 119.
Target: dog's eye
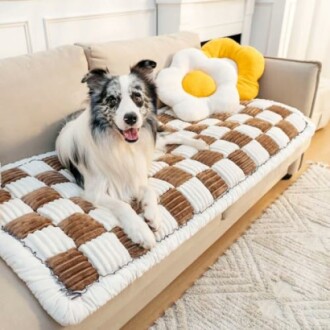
x: 137, y: 97
x: 112, y: 100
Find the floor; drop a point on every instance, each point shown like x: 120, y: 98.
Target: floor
x: 319, y: 151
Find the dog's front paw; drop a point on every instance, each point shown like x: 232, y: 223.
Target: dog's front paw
x: 201, y: 145
x: 144, y: 237
x: 140, y: 233
x: 152, y: 216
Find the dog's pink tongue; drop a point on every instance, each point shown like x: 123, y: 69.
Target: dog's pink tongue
x: 131, y: 134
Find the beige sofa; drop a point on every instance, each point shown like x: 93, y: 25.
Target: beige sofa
x: 37, y: 92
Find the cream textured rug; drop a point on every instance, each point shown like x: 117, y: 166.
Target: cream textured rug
x: 276, y: 276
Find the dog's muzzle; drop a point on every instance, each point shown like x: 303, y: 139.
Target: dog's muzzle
x: 130, y: 134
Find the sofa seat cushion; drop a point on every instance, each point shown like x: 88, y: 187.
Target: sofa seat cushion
x: 74, y: 257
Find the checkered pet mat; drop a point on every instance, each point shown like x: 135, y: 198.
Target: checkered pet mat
x: 64, y: 247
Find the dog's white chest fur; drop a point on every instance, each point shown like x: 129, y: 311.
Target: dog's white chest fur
x: 126, y: 166
x: 112, y: 165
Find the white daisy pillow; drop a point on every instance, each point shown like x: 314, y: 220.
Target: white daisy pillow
x: 196, y: 86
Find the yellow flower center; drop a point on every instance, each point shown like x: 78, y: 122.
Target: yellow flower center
x: 199, y: 84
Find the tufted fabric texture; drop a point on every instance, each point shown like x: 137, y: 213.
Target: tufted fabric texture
x: 75, y: 257
x: 275, y: 276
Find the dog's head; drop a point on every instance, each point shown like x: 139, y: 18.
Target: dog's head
x: 122, y: 102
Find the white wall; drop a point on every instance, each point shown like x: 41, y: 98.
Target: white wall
x: 209, y: 18
x: 27, y: 26
x: 272, y: 24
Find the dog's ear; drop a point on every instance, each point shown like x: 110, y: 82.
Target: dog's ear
x: 96, y: 78
x: 144, y: 67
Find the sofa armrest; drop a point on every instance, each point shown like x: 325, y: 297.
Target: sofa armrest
x: 291, y: 82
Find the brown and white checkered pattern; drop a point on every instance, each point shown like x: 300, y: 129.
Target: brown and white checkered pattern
x: 40, y: 204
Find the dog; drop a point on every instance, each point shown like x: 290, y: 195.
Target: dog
x: 109, y: 147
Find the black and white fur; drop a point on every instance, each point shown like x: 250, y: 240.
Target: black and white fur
x: 109, y: 147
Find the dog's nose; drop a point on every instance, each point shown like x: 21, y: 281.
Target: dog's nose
x: 130, y: 118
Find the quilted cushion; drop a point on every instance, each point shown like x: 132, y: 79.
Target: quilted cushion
x: 64, y: 247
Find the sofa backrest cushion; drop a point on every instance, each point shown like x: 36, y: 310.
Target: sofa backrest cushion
x: 160, y: 49
x: 292, y: 82
x: 36, y: 93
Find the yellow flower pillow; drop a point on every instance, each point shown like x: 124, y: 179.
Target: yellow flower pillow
x: 250, y: 63
x: 196, y: 86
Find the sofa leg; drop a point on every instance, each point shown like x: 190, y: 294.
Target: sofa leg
x: 293, y: 168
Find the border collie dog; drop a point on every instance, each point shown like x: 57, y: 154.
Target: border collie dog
x: 109, y: 147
